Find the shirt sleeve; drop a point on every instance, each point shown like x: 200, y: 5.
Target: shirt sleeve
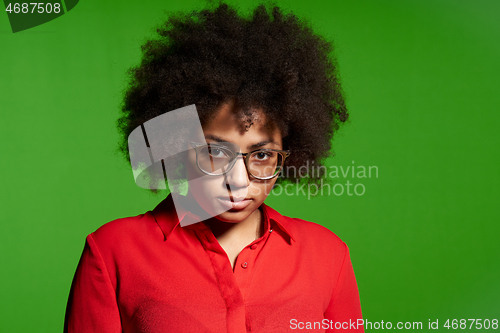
x: 92, y: 305
x: 344, y: 310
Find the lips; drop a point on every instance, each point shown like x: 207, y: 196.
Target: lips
x: 235, y: 203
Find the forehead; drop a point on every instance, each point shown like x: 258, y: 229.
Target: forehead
x: 234, y: 126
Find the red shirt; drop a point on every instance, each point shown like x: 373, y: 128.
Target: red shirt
x: 148, y: 274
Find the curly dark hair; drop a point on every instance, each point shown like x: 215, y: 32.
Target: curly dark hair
x: 269, y: 60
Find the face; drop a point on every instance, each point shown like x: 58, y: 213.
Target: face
x: 233, y: 197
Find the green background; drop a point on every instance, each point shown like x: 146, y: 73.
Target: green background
x: 421, y: 80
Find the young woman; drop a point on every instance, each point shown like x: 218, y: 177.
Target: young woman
x: 267, y: 96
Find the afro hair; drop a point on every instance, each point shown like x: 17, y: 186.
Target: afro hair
x: 269, y: 60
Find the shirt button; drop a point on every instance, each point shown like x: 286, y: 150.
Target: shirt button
x: 253, y: 246
x: 244, y: 265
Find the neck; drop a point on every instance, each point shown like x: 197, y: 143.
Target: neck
x: 245, y: 231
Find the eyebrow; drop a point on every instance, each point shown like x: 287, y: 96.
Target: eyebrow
x: 255, y: 145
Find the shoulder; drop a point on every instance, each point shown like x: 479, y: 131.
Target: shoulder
x: 119, y: 227
x: 313, y: 230
x: 314, y: 235
x: 125, y: 232
x: 309, y: 235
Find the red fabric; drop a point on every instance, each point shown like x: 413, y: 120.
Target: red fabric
x: 149, y: 274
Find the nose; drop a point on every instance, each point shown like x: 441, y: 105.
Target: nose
x: 237, y: 177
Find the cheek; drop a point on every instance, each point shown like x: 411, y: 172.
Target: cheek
x: 261, y: 189
x: 205, y: 186
x: 194, y: 174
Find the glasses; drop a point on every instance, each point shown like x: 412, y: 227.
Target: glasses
x: 217, y: 160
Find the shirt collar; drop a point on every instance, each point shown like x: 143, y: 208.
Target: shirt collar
x: 168, y: 218
x: 284, y: 224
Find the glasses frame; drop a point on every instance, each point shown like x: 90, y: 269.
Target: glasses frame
x: 284, y: 154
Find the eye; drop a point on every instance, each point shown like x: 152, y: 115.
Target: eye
x: 262, y: 155
x: 217, y: 153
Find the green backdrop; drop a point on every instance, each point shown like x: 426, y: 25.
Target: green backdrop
x: 421, y: 80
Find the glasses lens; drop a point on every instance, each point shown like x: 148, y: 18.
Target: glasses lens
x: 264, y: 163
x: 214, y: 159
